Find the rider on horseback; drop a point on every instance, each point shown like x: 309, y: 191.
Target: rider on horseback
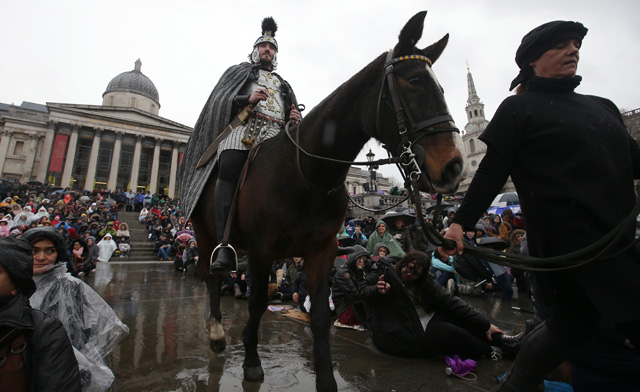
x: 273, y: 103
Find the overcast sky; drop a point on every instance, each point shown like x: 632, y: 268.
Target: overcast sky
x: 68, y: 51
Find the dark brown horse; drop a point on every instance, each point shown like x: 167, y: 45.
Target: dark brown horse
x: 292, y: 204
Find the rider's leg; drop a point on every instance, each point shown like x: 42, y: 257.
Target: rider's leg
x: 230, y: 164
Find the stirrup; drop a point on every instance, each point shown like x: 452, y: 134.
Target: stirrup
x: 224, y: 246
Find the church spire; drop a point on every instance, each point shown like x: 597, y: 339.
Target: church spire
x: 473, y: 95
x: 475, y: 107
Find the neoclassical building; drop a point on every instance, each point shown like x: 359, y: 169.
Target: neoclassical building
x: 122, y: 143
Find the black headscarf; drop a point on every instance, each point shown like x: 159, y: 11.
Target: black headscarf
x: 541, y: 39
x: 18, y: 261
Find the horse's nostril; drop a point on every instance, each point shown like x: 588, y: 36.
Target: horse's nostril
x: 452, y: 170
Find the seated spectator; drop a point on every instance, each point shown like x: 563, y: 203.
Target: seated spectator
x: 124, y: 246
x: 123, y: 231
x: 154, y: 230
x: 299, y: 288
x: 190, y: 255
x: 290, y: 275
x: 413, y: 316
x: 79, y: 263
x: 47, y: 362
x: 163, y: 247
x: 345, y: 291
x: 91, y: 324
x: 471, y: 267
x: 358, y: 236
x: 381, y: 234
x: 5, y: 226
x: 143, y: 215
x: 237, y: 281
x: 402, y: 234
x: 94, y: 252
x: 444, y: 272
x: 380, y: 250
x: 107, y: 230
x: 106, y: 246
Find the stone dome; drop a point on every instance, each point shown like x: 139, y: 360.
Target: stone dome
x: 134, y: 82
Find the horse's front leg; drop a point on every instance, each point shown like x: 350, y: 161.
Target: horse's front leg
x: 217, y: 341
x: 257, y: 305
x: 317, y: 267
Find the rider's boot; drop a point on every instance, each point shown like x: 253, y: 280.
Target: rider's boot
x: 225, y: 256
x: 541, y: 352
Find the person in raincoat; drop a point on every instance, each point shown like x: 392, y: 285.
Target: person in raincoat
x: 381, y: 234
x: 107, y: 245
x: 92, y: 326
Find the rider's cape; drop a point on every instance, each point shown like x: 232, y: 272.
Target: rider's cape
x: 215, y: 116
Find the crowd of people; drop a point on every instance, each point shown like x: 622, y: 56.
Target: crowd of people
x: 56, y: 332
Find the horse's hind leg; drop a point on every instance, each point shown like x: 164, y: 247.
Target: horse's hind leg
x: 317, y: 268
x: 257, y: 305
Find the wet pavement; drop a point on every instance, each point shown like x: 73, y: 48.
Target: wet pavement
x: 167, y: 348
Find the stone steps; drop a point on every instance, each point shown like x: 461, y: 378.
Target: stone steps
x: 142, y: 249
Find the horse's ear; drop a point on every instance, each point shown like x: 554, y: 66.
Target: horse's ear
x: 410, y: 35
x: 434, y: 51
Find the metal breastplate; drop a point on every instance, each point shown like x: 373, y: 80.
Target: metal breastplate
x: 273, y: 107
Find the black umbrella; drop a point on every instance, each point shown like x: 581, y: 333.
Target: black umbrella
x: 390, y: 218
x: 492, y: 242
x: 34, y: 182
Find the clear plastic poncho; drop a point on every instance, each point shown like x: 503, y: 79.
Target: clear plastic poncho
x: 93, y: 327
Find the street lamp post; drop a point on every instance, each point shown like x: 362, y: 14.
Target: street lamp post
x: 373, y: 186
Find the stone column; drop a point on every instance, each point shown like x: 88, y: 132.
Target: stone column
x: 31, y: 156
x: 153, y: 185
x: 93, y: 160
x: 135, y: 166
x: 47, y: 149
x: 71, y: 154
x: 4, y: 147
x: 174, y: 171
x: 115, y: 162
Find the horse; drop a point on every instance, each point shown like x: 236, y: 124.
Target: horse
x: 292, y: 202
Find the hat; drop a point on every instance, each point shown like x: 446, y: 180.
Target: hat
x: 50, y: 233
x: 18, y: 261
x: 541, y: 39
x: 269, y: 28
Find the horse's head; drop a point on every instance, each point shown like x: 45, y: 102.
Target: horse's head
x: 412, y: 98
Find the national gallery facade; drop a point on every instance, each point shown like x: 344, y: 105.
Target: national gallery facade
x: 122, y: 144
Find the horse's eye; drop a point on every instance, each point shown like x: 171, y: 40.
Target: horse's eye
x: 416, y: 81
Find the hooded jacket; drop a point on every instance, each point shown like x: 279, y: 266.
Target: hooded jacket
x: 347, y: 279
x: 394, y: 246
x: 395, y: 325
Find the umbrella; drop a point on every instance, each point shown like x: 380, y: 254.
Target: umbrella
x: 506, y: 199
x: 85, y: 198
x: 390, y: 218
x: 34, y: 182
x: 345, y: 241
x: 110, y: 201
x: 190, y: 232
x: 500, y: 209
x: 492, y: 242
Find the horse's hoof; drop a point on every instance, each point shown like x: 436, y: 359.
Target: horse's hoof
x: 254, y: 373
x: 217, y: 346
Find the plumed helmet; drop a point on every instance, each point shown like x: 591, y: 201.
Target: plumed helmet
x: 269, y: 28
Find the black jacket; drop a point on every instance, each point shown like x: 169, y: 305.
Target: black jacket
x: 49, y: 359
x: 395, y: 326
